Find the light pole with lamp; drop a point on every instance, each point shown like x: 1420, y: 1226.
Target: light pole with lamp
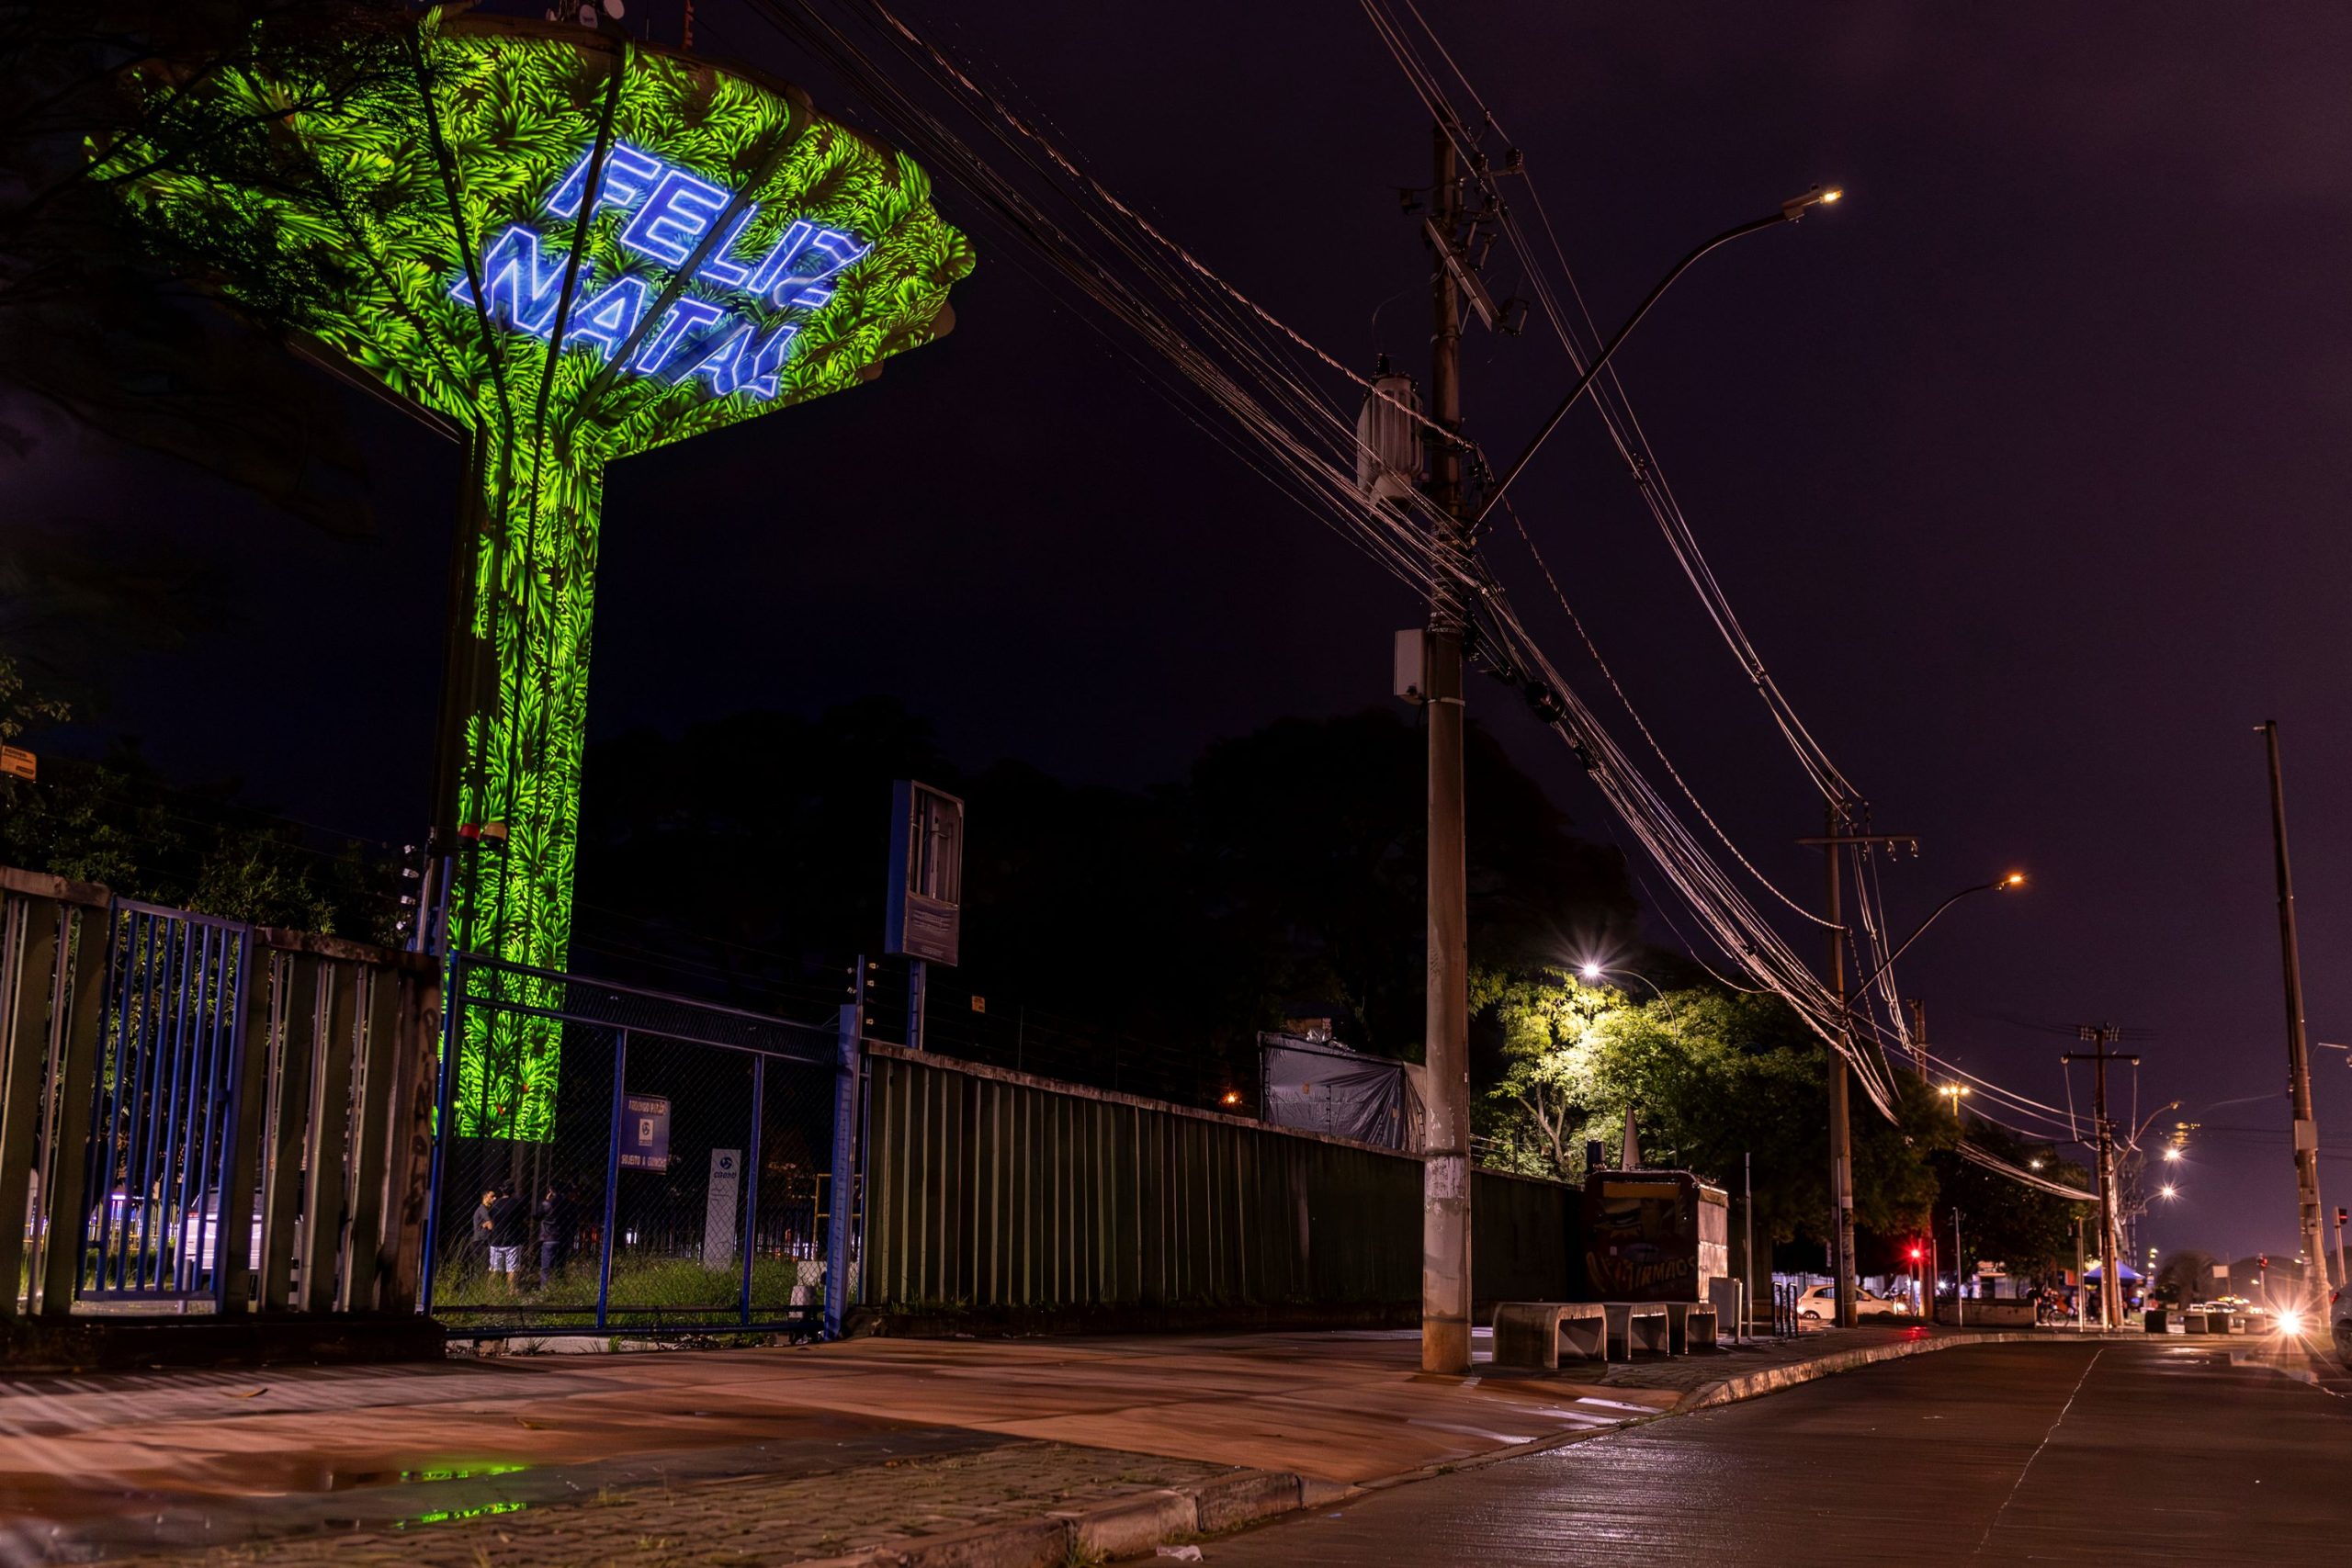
x: 1445, y: 1185
x: 1841, y: 1153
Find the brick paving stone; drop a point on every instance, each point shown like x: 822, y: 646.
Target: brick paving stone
x: 736, y: 1521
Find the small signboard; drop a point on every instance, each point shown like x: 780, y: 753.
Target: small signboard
x: 645, y: 1132
x: 980, y: 1004
x: 16, y: 763
x: 719, y: 1208
x: 925, y: 919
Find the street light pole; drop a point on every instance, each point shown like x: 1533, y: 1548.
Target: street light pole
x: 1445, y: 1181
x: 2299, y: 1056
x: 1445, y: 1187
x: 1841, y: 1126
x: 1959, y: 1305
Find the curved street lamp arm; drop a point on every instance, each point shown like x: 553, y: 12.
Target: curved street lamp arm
x: 1601, y: 360
x: 1863, y: 990
x: 1655, y: 989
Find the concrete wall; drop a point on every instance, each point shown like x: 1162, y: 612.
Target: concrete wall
x: 997, y: 1200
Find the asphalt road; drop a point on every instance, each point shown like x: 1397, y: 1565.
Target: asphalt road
x: 2134, y: 1452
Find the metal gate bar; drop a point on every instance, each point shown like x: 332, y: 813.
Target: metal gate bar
x: 160, y: 1124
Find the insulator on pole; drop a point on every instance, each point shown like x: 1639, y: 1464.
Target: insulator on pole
x: 1388, y: 439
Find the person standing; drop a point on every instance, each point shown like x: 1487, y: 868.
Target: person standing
x: 510, y: 1221
x: 555, y: 1232
x: 484, y: 1223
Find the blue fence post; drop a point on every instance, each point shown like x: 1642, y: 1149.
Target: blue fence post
x: 752, y: 1177
x: 612, y: 1178
x: 845, y: 1171
x: 444, y: 1102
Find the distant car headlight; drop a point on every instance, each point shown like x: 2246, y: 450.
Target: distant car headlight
x: 2290, y: 1323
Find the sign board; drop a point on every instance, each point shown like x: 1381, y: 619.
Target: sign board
x: 18, y: 763
x: 718, y: 1224
x: 925, y: 919
x: 645, y: 1132
x: 1986, y: 1269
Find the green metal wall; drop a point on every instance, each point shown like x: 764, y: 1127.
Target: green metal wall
x: 1005, y: 1197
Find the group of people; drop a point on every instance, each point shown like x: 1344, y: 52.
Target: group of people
x: 506, y: 1220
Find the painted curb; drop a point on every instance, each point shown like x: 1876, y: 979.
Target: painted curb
x: 1771, y: 1380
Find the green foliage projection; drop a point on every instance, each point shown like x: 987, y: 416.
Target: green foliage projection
x: 337, y: 192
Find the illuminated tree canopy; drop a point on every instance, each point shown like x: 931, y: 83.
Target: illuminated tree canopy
x: 571, y: 247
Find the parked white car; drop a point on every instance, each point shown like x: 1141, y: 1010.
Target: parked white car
x: 1819, y: 1303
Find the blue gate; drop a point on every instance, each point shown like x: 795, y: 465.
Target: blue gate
x: 683, y: 1182
x: 163, y: 1120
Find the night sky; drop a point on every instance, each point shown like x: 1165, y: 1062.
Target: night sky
x: 2024, y: 468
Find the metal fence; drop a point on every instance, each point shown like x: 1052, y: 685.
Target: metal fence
x: 678, y: 1178
x: 1008, y: 1202
x: 196, y: 1113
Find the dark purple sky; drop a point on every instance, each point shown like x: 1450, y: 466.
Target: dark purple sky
x: 2025, y: 469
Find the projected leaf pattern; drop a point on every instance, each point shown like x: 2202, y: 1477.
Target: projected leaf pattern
x: 382, y: 176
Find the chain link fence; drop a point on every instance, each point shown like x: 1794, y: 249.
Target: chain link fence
x: 675, y: 1176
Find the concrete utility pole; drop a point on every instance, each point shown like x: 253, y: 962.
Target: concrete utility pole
x: 2082, y: 1286
x: 1445, y: 1180
x: 2299, y: 1053
x: 2110, y: 1243
x: 1841, y: 1126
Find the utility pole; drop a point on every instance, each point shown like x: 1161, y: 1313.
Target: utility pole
x: 2110, y: 1243
x: 2299, y: 1054
x: 1959, y: 1303
x: 1841, y: 1127
x: 1445, y: 1179
x: 1748, y: 1246
x: 2082, y: 1286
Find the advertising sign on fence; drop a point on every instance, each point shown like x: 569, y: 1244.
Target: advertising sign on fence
x: 645, y: 1132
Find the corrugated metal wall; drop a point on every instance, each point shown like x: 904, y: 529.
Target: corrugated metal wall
x: 990, y: 1192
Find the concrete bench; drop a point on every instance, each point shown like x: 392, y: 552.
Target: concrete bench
x: 1644, y: 1321
x: 1689, y: 1324
x: 1530, y: 1334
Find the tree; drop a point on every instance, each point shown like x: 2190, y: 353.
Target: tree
x: 119, y: 822
x: 1714, y: 1078
x: 2185, y: 1278
x: 2029, y: 1231
x: 1286, y: 867
x: 102, y: 324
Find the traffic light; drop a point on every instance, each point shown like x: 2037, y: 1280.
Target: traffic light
x: 2263, y: 1261
x: 1917, y: 1252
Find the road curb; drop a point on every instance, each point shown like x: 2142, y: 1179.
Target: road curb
x: 1771, y: 1380
x: 1128, y: 1527
x: 1133, y: 1526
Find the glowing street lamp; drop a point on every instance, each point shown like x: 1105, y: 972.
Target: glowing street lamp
x: 1592, y: 974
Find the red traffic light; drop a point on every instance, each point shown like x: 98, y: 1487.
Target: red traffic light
x: 1916, y: 1254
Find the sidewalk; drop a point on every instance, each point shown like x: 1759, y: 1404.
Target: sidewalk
x: 921, y: 1451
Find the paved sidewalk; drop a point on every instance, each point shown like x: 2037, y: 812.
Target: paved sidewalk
x: 894, y: 1450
